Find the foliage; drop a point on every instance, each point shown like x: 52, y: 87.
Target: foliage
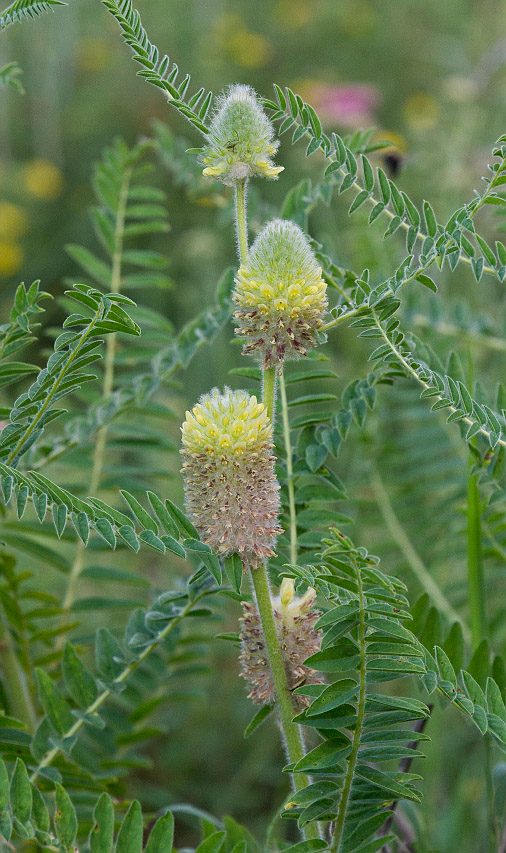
x: 9, y: 76
x: 21, y: 9
x: 96, y: 663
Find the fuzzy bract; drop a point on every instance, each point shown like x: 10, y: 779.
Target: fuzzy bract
x: 240, y: 141
x: 231, y: 491
x: 295, y: 621
x: 280, y: 295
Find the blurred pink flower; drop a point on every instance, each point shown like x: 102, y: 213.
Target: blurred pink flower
x: 352, y: 105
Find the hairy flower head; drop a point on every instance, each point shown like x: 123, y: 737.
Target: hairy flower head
x: 231, y: 491
x: 295, y: 621
x: 240, y: 141
x: 280, y: 294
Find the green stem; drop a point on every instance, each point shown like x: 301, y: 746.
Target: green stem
x: 122, y: 677
x: 475, y: 579
x: 259, y: 578
x: 286, y: 710
x: 269, y: 392
x: 240, y: 218
x: 14, y: 680
x: 108, y: 384
x: 345, y: 796
x: 289, y: 468
x: 291, y: 731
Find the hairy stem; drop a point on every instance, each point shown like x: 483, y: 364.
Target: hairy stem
x: 289, y: 469
x: 291, y: 732
x: 259, y: 577
x: 108, y: 384
x: 352, y: 761
x: 14, y: 680
x: 293, y: 742
x: 269, y: 392
x: 240, y: 218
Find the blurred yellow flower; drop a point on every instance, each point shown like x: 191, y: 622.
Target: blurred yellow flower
x: 93, y: 54
x: 43, y: 179
x: 216, y: 200
x: 421, y: 111
x: 11, y: 258
x: 251, y: 50
x: 13, y: 220
x: 293, y: 13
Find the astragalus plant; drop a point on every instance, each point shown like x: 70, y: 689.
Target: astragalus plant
x: 327, y: 641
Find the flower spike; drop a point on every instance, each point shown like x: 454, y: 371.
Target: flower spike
x: 232, y: 494
x: 295, y: 621
x: 280, y: 295
x: 240, y: 142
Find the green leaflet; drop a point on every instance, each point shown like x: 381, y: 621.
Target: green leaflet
x: 130, y: 834
x: 102, y: 832
x: 352, y: 703
x: 20, y: 793
x: 65, y: 818
x: 23, y: 9
x: 161, y: 836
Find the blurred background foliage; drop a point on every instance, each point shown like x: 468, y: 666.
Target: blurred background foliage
x: 431, y: 78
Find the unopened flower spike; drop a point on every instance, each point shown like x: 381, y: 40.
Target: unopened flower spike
x: 280, y: 295
x: 240, y: 141
x: 295, y: 621
x: 231, y: 491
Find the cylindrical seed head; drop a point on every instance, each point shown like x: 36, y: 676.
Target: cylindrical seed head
x: 231, y: 491
x: 280, y: 295
x: 240, y: 141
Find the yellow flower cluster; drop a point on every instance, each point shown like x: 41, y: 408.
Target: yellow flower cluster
x: 231, y: 491
x: 240, y: 142
x: 289, y: 604
x: 280, y: 294
x: 229, y: 423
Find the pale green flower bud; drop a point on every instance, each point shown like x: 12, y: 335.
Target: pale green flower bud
x: 280, y: 295
x: 240, y: 141
x: 231, y: 491
x: 295, y: 621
